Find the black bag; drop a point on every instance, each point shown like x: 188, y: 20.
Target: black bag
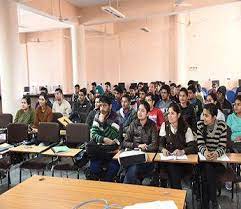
x: 100, y: 151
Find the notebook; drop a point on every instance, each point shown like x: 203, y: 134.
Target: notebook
x: 173, y: 157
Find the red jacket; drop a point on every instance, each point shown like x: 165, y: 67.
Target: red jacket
x: 157, y: 116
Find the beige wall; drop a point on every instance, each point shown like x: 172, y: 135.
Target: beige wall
x: 132, y: 55
x: 50, y: 59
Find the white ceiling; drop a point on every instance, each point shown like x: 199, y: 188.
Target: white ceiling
x: 87, y: 3
x: 29, y: 21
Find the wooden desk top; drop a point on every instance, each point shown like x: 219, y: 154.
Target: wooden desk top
x: 234, y: 158
x: 63, y: 193
x: 192, y: 159
x: 70, y: 153
x: 28, y: 149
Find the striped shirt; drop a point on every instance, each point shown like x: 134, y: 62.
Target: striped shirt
x: 214, y: 140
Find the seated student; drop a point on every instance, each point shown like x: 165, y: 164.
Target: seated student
x: 211, y: 140
x: 212, y: 98
x: 234, y: 122
x: 92, y: 113
x: 140, y: 86
x: 133, y: 96
x: 75, y: 98
x: 61, y: 105
x: 105, y: 130
x: 142, y: 96
x: 152, y: 89
x: 165, y: 101
x: 173, y: 93
x: 91, y: 98
x: 82, y: 110
x: 155, y: 114
x: 225, y: 105
x: 116, y: 103
x: 26, y: 113
x: 197, y: 104
x: 177, y: 139
x: 187, y: 109
x: 45, y: 91
x: 142, y: 134
x: 43, y: 112
x: 93, y: 87
x: 108, y: 90
x: 126, y: 113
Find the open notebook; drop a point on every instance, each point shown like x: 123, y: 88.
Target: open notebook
x: 222, y: 158
x: 154, y: 205
x: 173, y: 157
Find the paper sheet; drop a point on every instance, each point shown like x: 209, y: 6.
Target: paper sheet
x: 154, y: 205
x: 173, y: 157
x: 222, y: 158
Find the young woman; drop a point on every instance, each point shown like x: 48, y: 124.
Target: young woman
x: 155, y: 113
x: 26, y: 113
x: 212, y: 98
x: 234, y: 122
x: 187, y: 110
x: 177, y: 139
x: 43, y: 112
x: 212, y: 140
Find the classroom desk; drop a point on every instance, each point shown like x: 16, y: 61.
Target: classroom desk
x: 62, y: 193
x: 234, y: 158
x: 192, y: 159
x: 70, y: 153
x: 28, y: 149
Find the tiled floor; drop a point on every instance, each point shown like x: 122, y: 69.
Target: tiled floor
x: 224, y: 199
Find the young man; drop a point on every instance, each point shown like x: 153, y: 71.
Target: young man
x: 173, y: 93
x: 155, y: 114
x: 75, y: 98
x: 152, y: 89
x: 165, y: 101
x: 197, y: 104
x: 141, y: 134
x: 93, y: 86
x: 142, y: 96
x: 105, y: 130
x: 61, y: 105
x: 126, y: 113
x: 133, y: 96
x: 83, y: 108
x: 225, y: 105
x: 108, y: 90
x: 116, y: 103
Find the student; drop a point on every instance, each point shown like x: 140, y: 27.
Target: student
x: 173, y: 93
x: 197, y: 104
x: 177, y: 139
x: 93, y: 87
x: 108, y: 90
x: 75, y: 96
x: 116, y: 103
x: 83, y: 108
x: 43, y: 112
x: 234, y: 122
x: 212, y: 98
x: 133, y: 96
x: 187, y: 109
x: 165, y: 101
x: 26, y: 113
x: 91, y: 98
x: 61, y: 105
x: 140, y: 86
x: 126, y: 113
x: 152, y: 89
x: 212, y: 140
x: 142, y: 96
x: 45, y: 91
x: 105, y: 130
x: 225, y: 105
x: 92, y: 113
x: 142, y: 134
x: 155, y: 114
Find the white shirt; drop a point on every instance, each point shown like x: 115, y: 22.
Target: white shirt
x: 188, y: 135
x: 63, y: 108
